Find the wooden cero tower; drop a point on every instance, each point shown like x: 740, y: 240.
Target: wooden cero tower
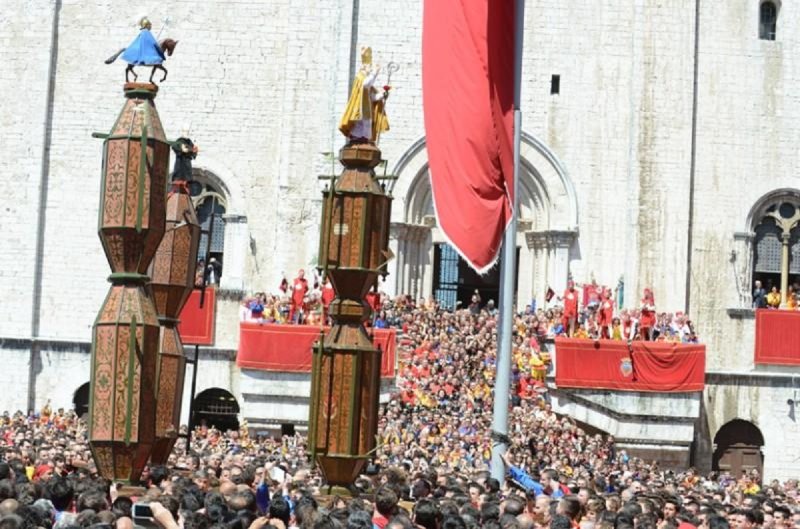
x: 125, y: 338
x: 345, y: 381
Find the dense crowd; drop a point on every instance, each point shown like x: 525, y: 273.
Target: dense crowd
x: 430, y: 469
x: 560, y: 478
x: 583, y: 311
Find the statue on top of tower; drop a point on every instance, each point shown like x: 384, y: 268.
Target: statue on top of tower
x: 145, y: 50
x: 364, y: 118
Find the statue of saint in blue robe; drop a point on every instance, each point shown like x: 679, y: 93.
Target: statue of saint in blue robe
x: 144, y: 50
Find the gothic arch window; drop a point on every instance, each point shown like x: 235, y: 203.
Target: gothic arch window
x: 767, y: 20
x: 211, y: 203
x: 776, y: 245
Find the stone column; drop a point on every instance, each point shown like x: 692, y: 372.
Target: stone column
x: 397, y: 240
x: 560, y: 242
x: 785, y: 236
x: 236, y: 244
x: 426, y: 261
x: 538, y: 242
x: 526, y: 289
x: 743, y: 267
x: 413, y: 257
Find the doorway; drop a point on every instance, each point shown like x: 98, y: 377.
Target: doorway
x: 80, y: 400
x: 454, y: 281
x: 738, y: 448
x: 216, y: 407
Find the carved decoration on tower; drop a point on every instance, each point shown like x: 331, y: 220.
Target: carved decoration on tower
x: 125, y: 339
x: 354, y: 250
x: 171, y: 282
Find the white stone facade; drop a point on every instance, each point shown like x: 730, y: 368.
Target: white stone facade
x: 638, y: 167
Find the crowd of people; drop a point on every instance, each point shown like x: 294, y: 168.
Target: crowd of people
x: 586, y: 311
x: 430, y: 469
x: 771, y: 298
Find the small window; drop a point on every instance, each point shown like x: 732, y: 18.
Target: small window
x: 768, y: 20
x: 555, y: 84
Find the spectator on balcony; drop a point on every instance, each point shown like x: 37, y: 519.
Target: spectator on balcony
x: 570, y: 317
x: 213, y: 271
x: 299, y: 291
x: 257, y: 307
x: 244, y: 309
x: 791, y: 298
x: 647, y: 320
x: 759, y: 296
x: 605, y: 314
x: 199, y: 273
x: 328, y: 295
x: 774, y: 298
x: 616, y: 329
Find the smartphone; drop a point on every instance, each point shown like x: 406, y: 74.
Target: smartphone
x: 141, y: 510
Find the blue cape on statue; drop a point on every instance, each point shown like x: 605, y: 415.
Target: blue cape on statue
x: 144, y: 50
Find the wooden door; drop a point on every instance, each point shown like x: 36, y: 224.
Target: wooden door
x: 738, y: 457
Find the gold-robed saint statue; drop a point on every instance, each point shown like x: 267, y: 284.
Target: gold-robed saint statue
x: 365, y: 119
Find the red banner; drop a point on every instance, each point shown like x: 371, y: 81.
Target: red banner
x: 272, y: 347
x: 197, y: 324
x: 468, y: 99
x: 777, y: 337
x: 645, y: 366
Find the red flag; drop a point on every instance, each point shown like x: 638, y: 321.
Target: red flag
x: 549, y: 295
x: 468, y: 96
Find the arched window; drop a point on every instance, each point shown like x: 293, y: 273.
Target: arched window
x: 210, y: 204
x: 767, y: 20
x: 776, y: 246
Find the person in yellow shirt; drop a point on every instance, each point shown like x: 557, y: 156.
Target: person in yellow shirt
x: 774, y: 298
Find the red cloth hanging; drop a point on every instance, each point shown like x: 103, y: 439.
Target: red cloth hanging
x: 197, y: 323
x: 777, y: 337
x: 646, y: 366
x: 467, y: 96
x: 271, y: 347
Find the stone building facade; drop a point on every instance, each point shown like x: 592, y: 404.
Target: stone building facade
x: 657, y: 134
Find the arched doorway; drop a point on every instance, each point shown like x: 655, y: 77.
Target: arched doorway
x: 80, y: 400
x: 216, y: 407
x: 546, y: 233
x: 738, y: 447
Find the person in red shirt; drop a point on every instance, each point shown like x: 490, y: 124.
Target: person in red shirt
x: 373, y: 299
x: 328, y: 295
x: 299, y: 291
x: 647, y: 320
x: 570, y: 316
x: 605, y: 314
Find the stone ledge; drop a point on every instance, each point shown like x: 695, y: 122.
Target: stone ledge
x: 753, y: 378
x: 582, y: 397
x: 52, y: 344
x: 740, y: 313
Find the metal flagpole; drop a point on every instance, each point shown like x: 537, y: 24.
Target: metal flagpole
x: 508, y: 267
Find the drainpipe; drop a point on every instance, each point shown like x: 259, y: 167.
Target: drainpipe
x: 354, y: 54
x: 41, y: 218
x: 693, y: 165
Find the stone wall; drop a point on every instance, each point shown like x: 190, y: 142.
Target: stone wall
x: 762, y: 400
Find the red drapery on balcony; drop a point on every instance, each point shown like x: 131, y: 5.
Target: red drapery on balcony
x: 197, y: 324
x: 272, y: 347
x: 646, y: 366
x: 777, y: 337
